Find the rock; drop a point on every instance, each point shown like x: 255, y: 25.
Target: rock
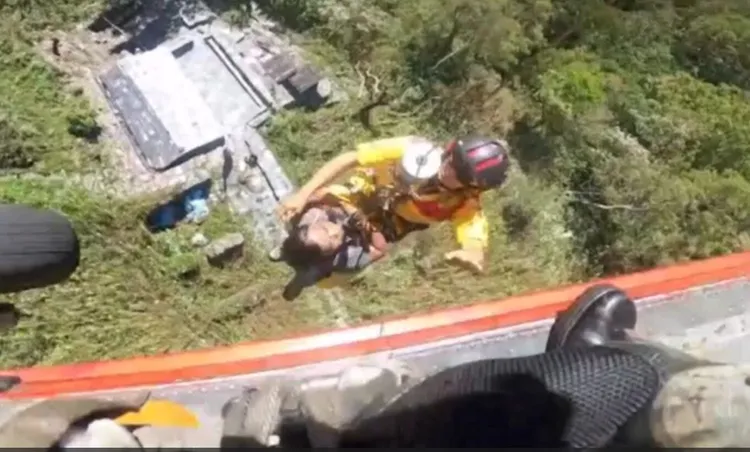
x: 226, y: 249
x: 255, y: 183
x: 324, y: 88
x: 199, y: 240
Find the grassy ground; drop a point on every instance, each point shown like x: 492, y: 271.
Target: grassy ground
x: 129, y: 297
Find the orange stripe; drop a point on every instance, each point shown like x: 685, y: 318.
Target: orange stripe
x: 358, y: 341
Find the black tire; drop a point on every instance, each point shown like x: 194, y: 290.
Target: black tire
x: 38, y: 248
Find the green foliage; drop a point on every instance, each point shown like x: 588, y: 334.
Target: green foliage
x: 298, y: 14
x: 16, y: 150
x: 633, y: 39
x: 569, y: 92
x: 31, y: 16
x: 693, y: 124
x: 718, y: 48
x: 37, y: 113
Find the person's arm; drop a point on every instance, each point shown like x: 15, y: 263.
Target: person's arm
x: 331, y: 171
x: 361, y: 183
x: 371, y: 154
x: 327, y: 197
x: 323, y: 196
x: 472, y: 234
x: 378, y: 246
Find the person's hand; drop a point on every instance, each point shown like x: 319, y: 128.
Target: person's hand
x: 379, y: 242
x: 473, y: 260
x: 291, y: 206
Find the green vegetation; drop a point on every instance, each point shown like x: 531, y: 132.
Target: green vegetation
x: 629, y: 121
x: 137, y: 293
x: 37, y: 111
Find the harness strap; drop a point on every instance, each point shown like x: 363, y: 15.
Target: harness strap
x: 394, y: 227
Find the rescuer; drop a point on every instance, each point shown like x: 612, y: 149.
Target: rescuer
x: 419, y: 184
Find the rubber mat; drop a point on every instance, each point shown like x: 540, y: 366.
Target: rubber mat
x: 504, y: 401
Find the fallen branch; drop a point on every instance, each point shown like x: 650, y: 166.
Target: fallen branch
x: 369, y: 87
x: 611, y: 206
x: 580, y: 197
x: 362, y: 80
x: 452, y: 54
x: 369, y: 83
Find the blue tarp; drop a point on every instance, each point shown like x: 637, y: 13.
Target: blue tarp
x: 190, y: 206
x: 196, y: 205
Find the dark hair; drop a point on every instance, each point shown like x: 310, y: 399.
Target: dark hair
x: 296, y: 251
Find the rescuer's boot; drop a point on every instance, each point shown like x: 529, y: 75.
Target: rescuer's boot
x: 600, y: 314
